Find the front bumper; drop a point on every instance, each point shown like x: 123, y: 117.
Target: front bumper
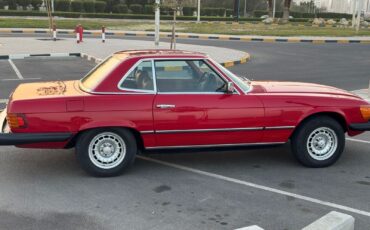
x: 8, y: 138
x: 360, y: 126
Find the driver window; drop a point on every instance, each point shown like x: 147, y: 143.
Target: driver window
x: 187, y: 76
x: 141, y: 78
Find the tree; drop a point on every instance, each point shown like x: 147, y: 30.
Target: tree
x: 270, y: 7
x: 286, y: 8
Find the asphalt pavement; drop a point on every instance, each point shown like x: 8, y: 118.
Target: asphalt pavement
x: 46, y: 189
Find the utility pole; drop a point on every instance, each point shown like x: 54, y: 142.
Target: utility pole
x: 353, y: 13
x: 52, y: 6
x: 358, y: 20
x: 198, y: 13
x: 157, y: 21
x: 274, y: 9
x: 236, y: 10
x: 245, y: 8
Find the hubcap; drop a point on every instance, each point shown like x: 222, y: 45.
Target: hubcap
x: 322, y: 143
x: 107, y: 150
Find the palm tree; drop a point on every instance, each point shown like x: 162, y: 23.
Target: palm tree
x: 287, y: 4
x: 270, y: 6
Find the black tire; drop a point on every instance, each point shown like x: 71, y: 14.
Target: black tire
x: 111, y: 136
x: 305, y: 148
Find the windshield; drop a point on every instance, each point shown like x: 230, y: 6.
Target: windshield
x: 95, y: 76
x: 239, y: 81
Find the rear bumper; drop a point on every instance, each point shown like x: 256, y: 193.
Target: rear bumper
x: 360, y: 126
x: 8, y: 138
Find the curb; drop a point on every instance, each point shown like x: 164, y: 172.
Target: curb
x: 333, y: 221
x: 23, y: 56
x: 194, y: 36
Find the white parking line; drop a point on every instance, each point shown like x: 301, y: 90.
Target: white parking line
x: 357, y: 140
x: 16, y: 70
x: 23, y: 79
x: 261, y: 187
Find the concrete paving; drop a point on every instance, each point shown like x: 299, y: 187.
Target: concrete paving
x: 46, y: 189
x: 96, y: 48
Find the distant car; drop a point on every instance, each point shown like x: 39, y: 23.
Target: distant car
x: 161, y: 99
x: 264, y: 16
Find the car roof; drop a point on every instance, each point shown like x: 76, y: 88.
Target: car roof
x: 153, y: 53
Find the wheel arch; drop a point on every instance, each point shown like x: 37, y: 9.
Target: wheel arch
x: 135, y: 132
x: 339, y: 117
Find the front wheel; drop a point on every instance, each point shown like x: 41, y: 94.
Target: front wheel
x: 106, y: 152
x: 318, y: 142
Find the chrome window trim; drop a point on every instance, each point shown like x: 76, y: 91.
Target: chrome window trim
x: 216, y: 145
x: 245, y: 92
x: 205, y: 60
x: 130, y: 71
x: 209, y: 130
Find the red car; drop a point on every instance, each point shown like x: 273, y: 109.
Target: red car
x: 161, y: 99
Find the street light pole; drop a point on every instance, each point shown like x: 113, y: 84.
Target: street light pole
x: 157, y: 21
x: 198, y: 13
x: 353, y: 12
x: 274, y: 10
x: 52, y: 6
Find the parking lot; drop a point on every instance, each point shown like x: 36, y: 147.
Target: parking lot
x: 46, y: 189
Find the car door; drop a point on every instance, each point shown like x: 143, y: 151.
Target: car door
x: 191, y: 107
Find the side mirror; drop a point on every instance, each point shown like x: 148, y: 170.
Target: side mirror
x: 230, y: 88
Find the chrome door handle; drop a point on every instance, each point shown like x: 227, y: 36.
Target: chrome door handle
x: 165, y: 106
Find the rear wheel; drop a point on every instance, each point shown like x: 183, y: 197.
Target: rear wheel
x: 106, y: 152
x: 318, y: 142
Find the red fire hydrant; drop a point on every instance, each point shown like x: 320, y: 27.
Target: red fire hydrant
x: 79, y: 30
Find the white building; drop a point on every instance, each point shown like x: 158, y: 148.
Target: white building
x: 339, y: 6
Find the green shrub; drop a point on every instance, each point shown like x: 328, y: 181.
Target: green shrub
x: 229, y: 12
x: 23, y: 3
x: 136, y: 9
x: 188, y: 11
x: 120, y: 8
x: 77, y: 6
x: 36, y: 4
x: 148, y: 9
x: 166, y: 10
x: 212, y: 12
x: 100, y: 6
x: 137, y: 2
x: 89, y: 6
x: 62, y: 5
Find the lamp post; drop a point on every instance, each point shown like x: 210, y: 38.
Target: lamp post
x: 274, y: 9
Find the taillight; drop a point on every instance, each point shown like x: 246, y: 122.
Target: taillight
x: 365, y: 112
x: 16, y: 120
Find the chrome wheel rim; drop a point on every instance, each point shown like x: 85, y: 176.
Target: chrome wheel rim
x: 322, y: 143
x: 107, y: 150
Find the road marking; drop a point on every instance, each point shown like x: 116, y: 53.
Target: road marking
x: 260, y: 187
x: 357, y: 140
x: 24, y: 79
x: 16, y: 70
x: 3, y: 101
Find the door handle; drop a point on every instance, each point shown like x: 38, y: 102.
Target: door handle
x: 165, y: 106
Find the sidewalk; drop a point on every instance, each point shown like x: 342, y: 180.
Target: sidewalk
x: 95, y: 47
x: 246, y: 38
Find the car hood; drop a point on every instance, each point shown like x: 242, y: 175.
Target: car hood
x: 297, y: 88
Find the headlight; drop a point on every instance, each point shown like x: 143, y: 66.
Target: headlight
x: 365, y: 112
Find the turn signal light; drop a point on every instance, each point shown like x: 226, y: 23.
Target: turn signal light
x: 16, y: 121
x: 365, y: 112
